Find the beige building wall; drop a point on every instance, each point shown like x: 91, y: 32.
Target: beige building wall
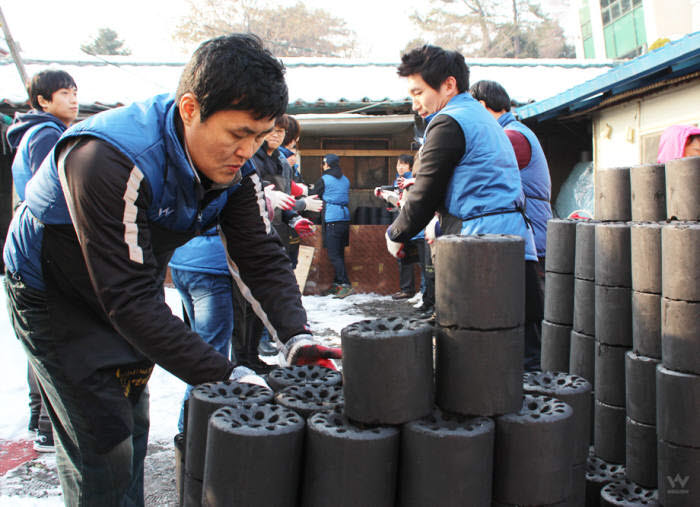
x: 628, y: 134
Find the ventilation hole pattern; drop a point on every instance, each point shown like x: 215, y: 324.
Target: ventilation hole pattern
x: 439, y: 421
x: 626, y: 492
x: 554, y: 381
x: 310, y: 396
x: 228, y: 390
x: 261, y: 417
x: 307, y: 374
x: 334, y: 422
x: 598, y: 470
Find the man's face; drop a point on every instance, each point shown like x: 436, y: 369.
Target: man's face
x: 427, y: 100
x: 274, y: 139
x: 692, y: 149
x: 402, y: 168
x: 63, y: 105
x: 224, y: 142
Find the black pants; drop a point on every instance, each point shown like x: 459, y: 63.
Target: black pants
x: 534, y: 313
x: 336, y: 236
x: 426, y: 262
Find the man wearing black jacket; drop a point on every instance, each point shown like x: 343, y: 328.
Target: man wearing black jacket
x: 86, y: 255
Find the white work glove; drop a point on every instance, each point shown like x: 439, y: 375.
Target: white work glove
x: 304, y: 188
x: 279, y: 200
x: 303, y: 349
x: 245, y: 375
x: 395, y: 248
x: 406, y: 182
x: 313, y: 203
x: 432, y: 230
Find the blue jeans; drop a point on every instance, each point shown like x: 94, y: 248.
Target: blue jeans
x: 100, y: 434
x: 336, y: 240
x: 208, y: 301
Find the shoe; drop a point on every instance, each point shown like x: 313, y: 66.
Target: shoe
x: 332, y: 290
x: 428, y: 315
x: 425, y: 307
x: 33, y: 423
x: 267, y: 347
x: 44, y: 442
x: 344, y: 291
x: 401, y: 295
x: 417, y: 299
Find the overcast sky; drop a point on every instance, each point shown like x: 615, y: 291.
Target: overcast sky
x: 50, y: 28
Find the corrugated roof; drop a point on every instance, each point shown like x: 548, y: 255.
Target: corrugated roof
x: 675, y: 59
x: 315, y: 84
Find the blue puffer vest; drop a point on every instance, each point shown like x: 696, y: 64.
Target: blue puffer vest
x: 21, y: 166
x: 485, y: 190
x: 202, y: 254
x: 335, y: 197
x: 537, y: 184
x: 145, y: 133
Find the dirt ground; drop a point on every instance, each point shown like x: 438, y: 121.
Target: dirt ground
x: 37, y: 478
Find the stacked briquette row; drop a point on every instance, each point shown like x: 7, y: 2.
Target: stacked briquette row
x: 559, y: 295
x: 648, y: 208
x: 678, y: 377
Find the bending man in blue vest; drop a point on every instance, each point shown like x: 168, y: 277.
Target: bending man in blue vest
x: 467, y: 169
x: 86, y: 256
x: 537, y: 184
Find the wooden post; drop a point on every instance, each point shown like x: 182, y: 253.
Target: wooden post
x: 14, y: 50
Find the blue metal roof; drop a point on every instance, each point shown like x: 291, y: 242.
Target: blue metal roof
x: 675, y: 59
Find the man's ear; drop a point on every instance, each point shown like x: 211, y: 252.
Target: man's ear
x: 43, y: 103
x: 451, y: 85
x: 188, y: 107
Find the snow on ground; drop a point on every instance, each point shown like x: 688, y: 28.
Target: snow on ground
x: 35, y: 483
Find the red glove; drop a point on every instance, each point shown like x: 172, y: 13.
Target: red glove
x: 303, y: 349
x: 297, y: 190
x: 303, y: 226
x: 406, y: 182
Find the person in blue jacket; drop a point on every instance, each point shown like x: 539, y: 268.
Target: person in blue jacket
x: 87, y: 251
x: 467, y: 169
x: 53, y: 96
x: 536, y: 181
x: 334, y: 188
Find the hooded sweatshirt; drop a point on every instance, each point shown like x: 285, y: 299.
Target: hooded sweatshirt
x: 673, y: 141
x: 33, y: 134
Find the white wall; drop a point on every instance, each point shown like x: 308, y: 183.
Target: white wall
x: 641, y: 117
x: 669, y: 18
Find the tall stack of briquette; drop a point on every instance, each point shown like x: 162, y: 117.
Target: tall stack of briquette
x: 613, y: 310
x: 559, y: 295
x: 648, y: 202
x: 678, y: 377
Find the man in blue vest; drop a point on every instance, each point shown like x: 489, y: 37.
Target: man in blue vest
x: 334, y: 188
x: 467, y: 169
x: 534, y: 174
x: 53, y: 95
x: 534, y: 171
x: 86, y: 255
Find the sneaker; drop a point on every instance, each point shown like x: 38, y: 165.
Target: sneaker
x: 417, y: 299
x: 344, y: 291
x: 267, y: 347
x: 332, y: 290
x: 44, y: 442
x: 401, y: 295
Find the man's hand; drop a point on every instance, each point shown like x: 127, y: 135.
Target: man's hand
x: 313, y: 203
x: 299, y: 189
x: 406, y: 182
x: 303, y: 349
x: 245, y: 375
x: 303, y: 226
x: 395, y: 248
x: 432, y: 230
x: 279, y: 199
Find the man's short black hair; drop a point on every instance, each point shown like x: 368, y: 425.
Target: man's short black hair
x: 235, y: 72
x: 46, y: 83
x: 492, y: 93
x: 405, y: 158
x: 434, y: 65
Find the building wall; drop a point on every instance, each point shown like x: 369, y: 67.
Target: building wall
x: 634, y: 127
x: 670, y: 18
